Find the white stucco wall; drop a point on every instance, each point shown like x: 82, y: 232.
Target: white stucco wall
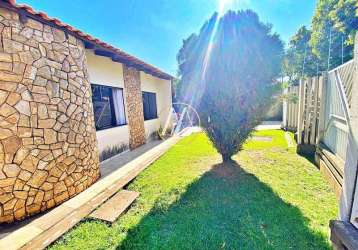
x: 112, y: 137
x: 162, y: 88
x: 103, y: 71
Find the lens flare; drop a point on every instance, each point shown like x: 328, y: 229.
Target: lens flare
x: 223, y: 6
x: 194, y: 93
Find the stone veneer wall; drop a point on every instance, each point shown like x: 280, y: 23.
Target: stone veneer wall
x: 48, y: 147
x: 134, y: 106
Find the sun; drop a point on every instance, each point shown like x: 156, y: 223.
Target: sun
x: 224, y: 5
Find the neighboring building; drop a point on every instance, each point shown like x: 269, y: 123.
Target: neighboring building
x: 64, y: 98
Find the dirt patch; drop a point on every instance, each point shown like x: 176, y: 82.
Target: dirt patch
x: 227, y: 170
x: 256, y: 154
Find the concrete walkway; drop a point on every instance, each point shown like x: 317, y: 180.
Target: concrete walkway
x: 40, y: 232
x: 110, y: 165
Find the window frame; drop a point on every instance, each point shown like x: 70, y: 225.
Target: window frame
x: 112, y: 103
x: 156, y: 105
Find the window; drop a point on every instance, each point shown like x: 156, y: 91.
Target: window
x: 108, y: 106
x: 149, y: 105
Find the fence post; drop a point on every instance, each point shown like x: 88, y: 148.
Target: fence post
x: 349, y: 198
x: 301, y: 102
x: 315, y: 110
x: 295, y: 109
x: 307, y: 117
x: 285, y: 109
x: 322, y: 109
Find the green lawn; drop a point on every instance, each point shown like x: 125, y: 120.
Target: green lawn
x: 270, y: 198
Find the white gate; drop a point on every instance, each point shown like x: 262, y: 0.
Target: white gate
x: 336, y: 113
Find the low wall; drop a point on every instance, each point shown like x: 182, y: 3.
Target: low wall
x: 48, y: 147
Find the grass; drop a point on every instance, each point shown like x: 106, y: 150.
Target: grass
x: 269, y: 198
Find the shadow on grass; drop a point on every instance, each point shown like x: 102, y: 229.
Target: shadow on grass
x: 310, y: 158
x: 227, y: 208
x: 308, y: 154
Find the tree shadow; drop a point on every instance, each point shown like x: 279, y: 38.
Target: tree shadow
x: 226, y: 208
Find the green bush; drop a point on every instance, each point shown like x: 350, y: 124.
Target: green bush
x: 227, y: 73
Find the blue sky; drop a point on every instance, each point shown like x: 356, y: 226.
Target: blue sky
x: 153, y: 30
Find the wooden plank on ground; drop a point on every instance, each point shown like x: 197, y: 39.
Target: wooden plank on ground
x: 45, y: 238
x: 115, y: 206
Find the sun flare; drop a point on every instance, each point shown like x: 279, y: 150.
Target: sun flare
x: 224, y: 5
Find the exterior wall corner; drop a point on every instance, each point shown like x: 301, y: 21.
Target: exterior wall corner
x: 48, y: 146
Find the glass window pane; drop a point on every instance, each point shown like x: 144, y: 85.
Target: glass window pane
x: 103, y: 106
x: 149, y: 105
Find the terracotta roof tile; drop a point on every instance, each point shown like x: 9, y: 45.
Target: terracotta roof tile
x: 133, y: 60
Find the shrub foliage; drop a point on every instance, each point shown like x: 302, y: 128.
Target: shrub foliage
x: 227, y: 72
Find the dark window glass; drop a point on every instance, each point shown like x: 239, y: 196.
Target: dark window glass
x: 108, y: 106
x: 149, y: 105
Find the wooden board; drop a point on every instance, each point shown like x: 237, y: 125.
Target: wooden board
x: 322, y: 103
x: 115, y: 206
x: 337, y: 188
x: 337, y: 163
x: 343, y: 235
x: 315, y: 110
x: 301, y: 106
x: 45, y: 238
x: 332, y: 169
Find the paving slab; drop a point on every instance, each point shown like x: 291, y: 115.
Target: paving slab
x: 268, y: 125
x: 115, y: 206
x: 262, y: 138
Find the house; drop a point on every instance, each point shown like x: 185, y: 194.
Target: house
x: 108, y: 87
x: 64, y: 98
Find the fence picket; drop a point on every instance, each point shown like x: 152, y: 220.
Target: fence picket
x: 307, y: 120
x: 315, y: 110
x: 322, y: 98
x: 300, y: 111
